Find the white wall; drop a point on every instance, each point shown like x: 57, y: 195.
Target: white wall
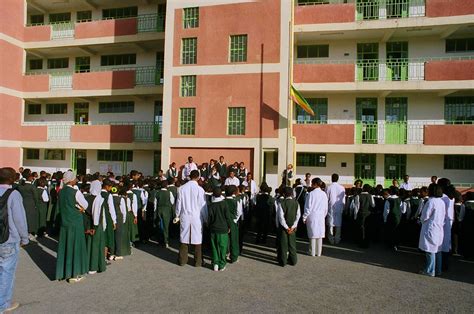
x: 333, y: 165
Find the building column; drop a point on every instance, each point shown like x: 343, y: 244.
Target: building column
x: 380, y: 169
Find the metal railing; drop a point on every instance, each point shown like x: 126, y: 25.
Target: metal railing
x: 389, y: 9
x: 151, y: 23
x: 59, y: 132
x: 62, y: 30
x: 60, y: 80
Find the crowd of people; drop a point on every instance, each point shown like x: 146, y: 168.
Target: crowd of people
x: 99, y: 218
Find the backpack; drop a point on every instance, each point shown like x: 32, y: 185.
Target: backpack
x: 4, y: 229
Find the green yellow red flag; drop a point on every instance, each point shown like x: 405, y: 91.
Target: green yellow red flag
x: 300, y: 101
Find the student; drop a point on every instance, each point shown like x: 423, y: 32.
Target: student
x: 204, y: 172
x: 363, y: 203
x: 315, y: 211
x: 163, y: 205
x: 263, y: 212
x: 71, y: 262
x: 132, y: 214
x: 172, y: 172
x: 214, y: 178
x: 431, y: 235
x: 232, y: 179
x: 288, y: 216
x: 122, y: 244
x: 337, y: 198
x: 243, y: 203
x: 188, y: 167
x: 128, y: 222
x: 88, y: 220
x: 110, y: 217
x: 393, y: 211
x: 242, y: 172
x: 141, y: 205
x: 235, y: 169
x: 28, y: 192
x: 459, y: 213
x: 42, y: 202
x: 222, y: 168
x: 448, y: 199
x: 232, y: 208
x: 219, y: 221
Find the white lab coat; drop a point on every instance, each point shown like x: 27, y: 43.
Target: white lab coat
x: 337, y: 200
x: 448, y: 223
x: 315, y: 210
x: 191, y: 208
x: 432, y: 219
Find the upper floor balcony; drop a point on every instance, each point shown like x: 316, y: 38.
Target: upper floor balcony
x: 95, y: 28
x: 396, y: 74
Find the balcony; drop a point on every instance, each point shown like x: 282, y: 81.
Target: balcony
x: 102, y: 78
x: 146, y: 23
x: 95, y: 132
x: 344, y: 11
x: 374, y: 70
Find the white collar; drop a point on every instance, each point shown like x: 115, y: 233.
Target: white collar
x: 217, y: 199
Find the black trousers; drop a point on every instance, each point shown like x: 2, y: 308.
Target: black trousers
x: 183, y: 254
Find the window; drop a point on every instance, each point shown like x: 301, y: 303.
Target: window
x: 56, y: 108
x: 189, y: 51
x: 188, y: 85
x: 311, y: 2
x: 84, y: 16
x: 36, y: 64
x: 58, y: 63
x: 116, y: 107
x: 54, y: 154
x: 238, y: 48
x: 320, y: 108
x: 459, y: 110
x: 311, y: 160
x: 236, y: 121
x: 460, y: 45
x: 119, y: 13
x: 187, y: 121
x: 32, y: 154
x: 115, y: 155
x: 190, y: 17
x: 59, y: 17
x: 313, y: 51
x: 34, y: 108
x: 37, y: 19
x: 459, y: 162
x: 123, y: 59
x: 83, y: 64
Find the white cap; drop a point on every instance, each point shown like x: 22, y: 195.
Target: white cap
x: 68, y: 176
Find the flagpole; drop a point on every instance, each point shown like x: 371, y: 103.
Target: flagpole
x: 290, y: 138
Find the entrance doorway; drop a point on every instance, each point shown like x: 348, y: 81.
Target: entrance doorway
x: 80, y: 161
x: 81, y: 113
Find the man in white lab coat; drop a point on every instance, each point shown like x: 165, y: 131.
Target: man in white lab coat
x: 191, y: 211
x: 315, y: 210
x: 337, y: 199
x: 448, y: 199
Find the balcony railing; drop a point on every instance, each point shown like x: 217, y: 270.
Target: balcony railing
x: 60, y: 80
x: 146, y: 23
x: 412, y: 69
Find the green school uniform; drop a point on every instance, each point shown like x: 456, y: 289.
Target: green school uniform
x: 131, y: 226
x: 42, y: 208
x: 288, y: 241
x: 72, y: 254
x: 231, y: 203
x: 122, y: 243
x: 30, y: 199
x: 109, y: 231
x: 164, y: 210
x: 97, y: 257
x: 220, y: 222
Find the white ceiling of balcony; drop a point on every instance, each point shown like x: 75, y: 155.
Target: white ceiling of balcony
x: 47, y: 6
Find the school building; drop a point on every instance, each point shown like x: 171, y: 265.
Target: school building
x: 99, y: 85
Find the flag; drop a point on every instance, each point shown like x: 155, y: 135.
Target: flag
x: 300, y: 101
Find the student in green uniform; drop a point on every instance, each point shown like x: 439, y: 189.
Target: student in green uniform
x: 288, y: 213
x: 110, y: 217
x: 393, y: 211
x: 28, y: 192
x: 87, y: 218
x: 122, y: 244
x: 164, y: 201
x: 42, y: 202
x: 220, y: 222
x: 231, y: 203
x: 132, y: 212
x: 71, y: 261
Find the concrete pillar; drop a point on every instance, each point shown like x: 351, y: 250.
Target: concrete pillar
x: 380, y: 169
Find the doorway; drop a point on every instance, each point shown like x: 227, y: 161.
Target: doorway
x: 366, y: 120
x: 396, y: 120
x: 395, y: 168
x: 365, y: 168
x: 158, y: 121
x: 397, y: 61
x: 368, y: 62
x: 80, y: 161
x: 81, y: 113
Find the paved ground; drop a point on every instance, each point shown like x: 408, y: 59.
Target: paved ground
x: 344, y: 279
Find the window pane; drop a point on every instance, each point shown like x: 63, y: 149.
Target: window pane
x: 188, y: 86
x: 238, y: 48
x: 54, y: 154
x: 37, y: 19
x: 311, y: 160
x: 34, y: 108
x: 190, y: 17
x: 118, y: 13
x: 58, y: 63
x: 236, y: 121
x: 36, y: 64
x: 32, y: 154
x: 187, y: 121
x: 122, y: 59
x: 189, y: 51
x: 84, y: 16
x: 117, y: 107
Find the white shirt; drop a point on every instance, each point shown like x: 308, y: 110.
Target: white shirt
x: 406, y: 186
x: 232, y: 181
x: 253, y: 190
x: 281, y: 216
x: 386, y: 210
x: 188, y: 167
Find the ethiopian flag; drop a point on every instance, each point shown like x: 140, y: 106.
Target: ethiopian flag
x: 300, y: 101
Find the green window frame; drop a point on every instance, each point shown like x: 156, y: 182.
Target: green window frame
x: 311, y: 159
x: 187, y: 121
x: 320, y: 108
x: 238, y: 48
x: 36, y: 64
x: 460, y: 45
x: 58, y: 63
x: 32, y: 153
x: 236, y: 121
x: 189, y: 50
x: 191, y: 17
x: 459, y: 110
x: 188, y: 86
x: 83, y: 16
x: 60, y: 108
x: 59, y: 17
x: 54, y: 154
x: 312, y: 51
x: 119, y: 13
x: 396, y: 109
x: 120, y: 59
x: 365, y: 167
x: 83, y: 64
x: 117, y: 107
x: 34, y: 109
x: 115, y: 155
x: 459, y: 162
x: 395, y: 166
x: 37, y: 19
